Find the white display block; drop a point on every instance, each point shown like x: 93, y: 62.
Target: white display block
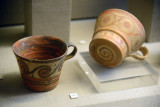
x: 131, y: 73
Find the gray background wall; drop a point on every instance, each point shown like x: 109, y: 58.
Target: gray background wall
x: 12, y: 11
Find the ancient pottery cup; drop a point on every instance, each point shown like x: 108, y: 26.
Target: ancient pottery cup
x: 40, y: 59
x: 117, y: 35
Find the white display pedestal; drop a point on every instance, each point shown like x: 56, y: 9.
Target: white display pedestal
x: 130, y: 74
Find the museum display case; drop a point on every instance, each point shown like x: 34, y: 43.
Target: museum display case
x: 83, y: 81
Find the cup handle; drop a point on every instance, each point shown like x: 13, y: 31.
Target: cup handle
x: 73, y: 53
x: 144, y: 51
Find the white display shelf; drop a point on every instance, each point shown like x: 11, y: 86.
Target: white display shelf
x: 130, y: 74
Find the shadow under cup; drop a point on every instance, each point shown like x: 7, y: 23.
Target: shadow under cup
x: 40, y: 59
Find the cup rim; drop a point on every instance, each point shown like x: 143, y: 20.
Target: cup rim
x: 37, y: 60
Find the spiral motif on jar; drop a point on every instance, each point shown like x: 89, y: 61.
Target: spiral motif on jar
x: 107, y: 19
x: 44, y: 71
x: 23, y: 66
x: 106, y: 53
x: 126, y: 25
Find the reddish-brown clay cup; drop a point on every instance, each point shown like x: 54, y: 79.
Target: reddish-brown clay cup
x: 117, y: 35
x: 40, y: 59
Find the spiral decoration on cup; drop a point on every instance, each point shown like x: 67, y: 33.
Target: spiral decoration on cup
x: 107, y: 20
x: 44, y: 71
x: 41, y: 75
x: 23, y: 67
x: 109, y: 51
x: 124, y: 23
x: 106, y: 53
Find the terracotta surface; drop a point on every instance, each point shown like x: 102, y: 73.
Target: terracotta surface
x: 40, y: 59
x: 117, y: 34
x: 108, y: 48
